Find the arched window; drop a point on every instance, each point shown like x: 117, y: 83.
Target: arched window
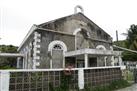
x: 102, y: 60
x: 101, y: 47
x: 81, y: 36
x: 57, y: 45
x: 57, y: 49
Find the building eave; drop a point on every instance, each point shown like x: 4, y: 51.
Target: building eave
x: 93, y: 52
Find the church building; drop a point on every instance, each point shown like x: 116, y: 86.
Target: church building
x: 73, y: 40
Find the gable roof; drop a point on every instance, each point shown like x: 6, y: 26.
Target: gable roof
x: 40, y: 26
x: 73, y: 16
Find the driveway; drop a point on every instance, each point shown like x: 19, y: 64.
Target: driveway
x: 131, y: 88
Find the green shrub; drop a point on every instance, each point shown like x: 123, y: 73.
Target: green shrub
x: 65, y: 81
x: 100, y: 88
x: 117, y: 84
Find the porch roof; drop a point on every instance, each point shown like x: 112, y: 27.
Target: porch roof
x: 11, y: 55
x: 93, y: 52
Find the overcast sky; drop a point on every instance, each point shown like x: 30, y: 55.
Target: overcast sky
x: 17, y: 16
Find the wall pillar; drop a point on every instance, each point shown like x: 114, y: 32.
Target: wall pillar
x: 23, y: 63
x: 4, y: 80
x: 113, y: 61
x: 36, y: 49
x: 120, y: 60
x: 51, y: 63
x: 86, y: 60
x: 105, y: 59
x: 75, y: 43
x: 18, y: 62
x: 81, y: 78
x: 63, y: 60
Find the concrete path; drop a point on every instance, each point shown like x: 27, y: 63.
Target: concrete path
x: 131, y: 88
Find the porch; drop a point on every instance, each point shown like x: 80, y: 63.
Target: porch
x: 85, y: 58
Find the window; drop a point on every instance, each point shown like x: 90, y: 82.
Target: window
x: 57, y: 47
x: 101, y: 48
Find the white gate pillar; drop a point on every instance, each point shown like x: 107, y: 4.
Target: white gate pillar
x: 4, y: 80
x: 81, y: 78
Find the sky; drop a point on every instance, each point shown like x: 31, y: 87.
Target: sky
x: 17, y: 16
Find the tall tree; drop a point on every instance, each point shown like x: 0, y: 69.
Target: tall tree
x: 132, y: 37
x: 130, y: 43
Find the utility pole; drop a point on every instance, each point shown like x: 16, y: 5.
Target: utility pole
x: 116, y: 35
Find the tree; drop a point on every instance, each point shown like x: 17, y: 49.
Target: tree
x: 7, y: 62
x: 132, y: 37
x: 130, y: 43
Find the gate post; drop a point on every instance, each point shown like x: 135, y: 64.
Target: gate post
x: 4, y: 80
x: 81, y: 78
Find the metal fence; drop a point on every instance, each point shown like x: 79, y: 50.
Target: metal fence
x: 43, y: 79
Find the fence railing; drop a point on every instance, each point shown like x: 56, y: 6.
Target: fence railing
x: 44, y: 79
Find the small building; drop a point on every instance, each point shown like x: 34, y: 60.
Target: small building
x: 130, y: 65
x: 73, y: 40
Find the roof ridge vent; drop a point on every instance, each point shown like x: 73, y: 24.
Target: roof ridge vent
x: 78, y: 7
